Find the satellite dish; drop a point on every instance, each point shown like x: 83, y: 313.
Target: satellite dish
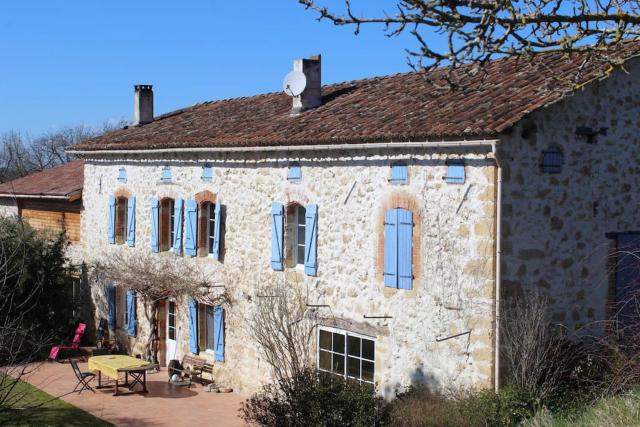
x: 294, y: 83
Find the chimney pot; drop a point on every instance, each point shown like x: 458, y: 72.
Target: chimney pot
x: 142, y: 104
x: 311, y: 97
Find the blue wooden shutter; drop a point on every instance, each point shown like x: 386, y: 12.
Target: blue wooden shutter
x: 155, y: 245
x: 311, y: 240
x: 177, y: 226
x: 122, y: 175
x: 166, y: 174
x: 193, y: 326
x: 216, y: 231
x: 112, y: 220
x: 405, y: 254
x: 191, y: 233
x: 111, y: 301
x: 391, y: 248
x: 207, y: 173
x: 218, y: 327
x: 131, y: 313
x: 277, y: 242
x: 131, y: 221
x: 399, y: 173
x: 295, y: 173
x: 455, y: 172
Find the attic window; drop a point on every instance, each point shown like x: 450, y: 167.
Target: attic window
x: 552, y: 161
x: 295, y: 173
x: 455, y: 172
x: 166, y: 174
x: 122, y: 175
x: 399, y: 173
x: 207, y: 173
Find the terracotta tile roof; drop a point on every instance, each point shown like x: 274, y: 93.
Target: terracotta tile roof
x: 402, y: 107
x: 60, y: 181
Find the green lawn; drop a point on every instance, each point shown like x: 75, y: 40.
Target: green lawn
x: 52, y: 413
x: 618, y: 411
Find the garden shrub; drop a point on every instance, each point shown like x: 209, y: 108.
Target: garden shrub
x: 312, y: 398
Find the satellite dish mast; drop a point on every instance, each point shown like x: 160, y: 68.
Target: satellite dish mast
x: 294, y: 83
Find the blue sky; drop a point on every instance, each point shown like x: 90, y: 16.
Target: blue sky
x: 76, y: 61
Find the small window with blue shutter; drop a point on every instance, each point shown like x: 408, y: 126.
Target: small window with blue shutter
x: 399, y: 173
x: 294, y: 174
x: 166, y: 175
x: 455, y: 172
x: 122, y: 175
x: 552, y: 161
x: 207, y: 173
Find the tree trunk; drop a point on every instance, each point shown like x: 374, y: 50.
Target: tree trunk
x: 151, y: 313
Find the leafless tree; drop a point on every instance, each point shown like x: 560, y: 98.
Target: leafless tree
x: 282, y: 325
x: 458, y: 32
x: 155, y: 279
x: 535, y: 350
x: 20, y: 155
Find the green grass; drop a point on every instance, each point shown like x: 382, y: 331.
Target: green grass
x: 622, y: 410
x: 51, y: 413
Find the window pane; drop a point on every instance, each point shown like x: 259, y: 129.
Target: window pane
x: 368, y: 351
x: 338, y: 343
x: 367, y: 370
x: 353, y: 370
x: 354, y: 346
x: 338, y: 364
x: 172, y: 321
x: 172, y: 334
x: 325, y: 360
x: 209, y: 328
x: 301, y: 254
x: 325, y: 340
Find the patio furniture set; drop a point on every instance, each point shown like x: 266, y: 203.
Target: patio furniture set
x: 134, y: 369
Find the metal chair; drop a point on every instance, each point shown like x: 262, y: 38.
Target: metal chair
x: 83, y: 378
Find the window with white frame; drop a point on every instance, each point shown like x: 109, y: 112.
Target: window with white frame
x: 346, y: 354
x: 300, y: 234
x: 206, y: 228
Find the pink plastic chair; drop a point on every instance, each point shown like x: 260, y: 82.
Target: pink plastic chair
x: 75, y: 343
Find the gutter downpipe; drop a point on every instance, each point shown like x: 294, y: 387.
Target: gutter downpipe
x: 497, y: 260
x: 374, y: 145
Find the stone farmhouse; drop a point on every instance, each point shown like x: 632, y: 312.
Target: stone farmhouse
x: 406, y: 212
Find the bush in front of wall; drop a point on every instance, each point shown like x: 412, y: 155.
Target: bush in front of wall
x: 313, y: 398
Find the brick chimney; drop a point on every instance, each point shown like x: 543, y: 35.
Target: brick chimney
x: 311, y: 97
x: 142, y: 104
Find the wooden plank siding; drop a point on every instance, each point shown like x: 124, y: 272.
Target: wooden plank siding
x: 53, y: 216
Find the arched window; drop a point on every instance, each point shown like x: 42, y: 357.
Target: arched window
x: 295, y: 235
x: 167, y: 223
x: 207, y: 220
x: 121, y: 220
x: 398, y: 248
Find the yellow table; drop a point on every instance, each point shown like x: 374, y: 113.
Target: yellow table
x: 113, y: 365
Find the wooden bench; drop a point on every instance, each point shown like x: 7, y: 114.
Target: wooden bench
x: 193, y: 368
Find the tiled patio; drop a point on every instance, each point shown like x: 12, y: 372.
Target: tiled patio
x: 163, y: 405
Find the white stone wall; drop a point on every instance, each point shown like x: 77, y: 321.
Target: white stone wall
x: 454, y: 285
x: 554, y: 225
x: 8, y: 207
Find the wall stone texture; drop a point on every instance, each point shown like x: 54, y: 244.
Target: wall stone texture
x: 554, y: 225
x: 453, y: 291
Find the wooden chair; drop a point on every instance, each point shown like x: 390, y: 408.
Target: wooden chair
x: 192, y: 368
